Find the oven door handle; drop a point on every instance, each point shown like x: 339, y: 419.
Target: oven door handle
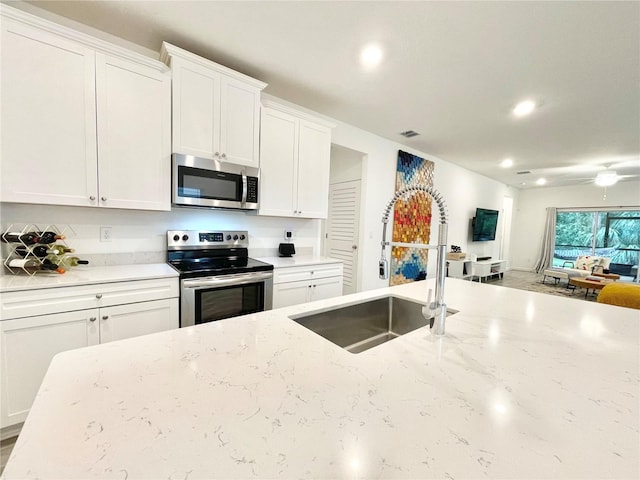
x: 222, y: 281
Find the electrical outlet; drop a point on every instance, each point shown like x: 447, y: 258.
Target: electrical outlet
x: 105, y: 234
x: 288, y: 234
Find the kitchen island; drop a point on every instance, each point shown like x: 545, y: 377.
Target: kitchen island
x: 523, y: 385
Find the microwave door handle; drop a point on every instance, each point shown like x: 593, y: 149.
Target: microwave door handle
x: 244, y: 187
x: 241, y: 279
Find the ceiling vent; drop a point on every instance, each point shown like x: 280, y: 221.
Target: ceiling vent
x: 409, y: 133
x: 524, y: 172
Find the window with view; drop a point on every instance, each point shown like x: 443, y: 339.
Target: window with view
x: 613, y: 233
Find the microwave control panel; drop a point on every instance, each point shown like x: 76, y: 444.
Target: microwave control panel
x: 252, y: 189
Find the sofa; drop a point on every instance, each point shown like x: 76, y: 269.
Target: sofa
x: 583, y: 266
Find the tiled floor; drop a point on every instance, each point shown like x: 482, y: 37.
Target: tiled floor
x: 6, y: 446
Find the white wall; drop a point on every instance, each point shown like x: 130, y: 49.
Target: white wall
x: 462, y: 190
x: 530, y: 213
x: 145, y: 232
x: 346, y: 165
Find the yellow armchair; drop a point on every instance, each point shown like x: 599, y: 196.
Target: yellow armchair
x: 621, y: 294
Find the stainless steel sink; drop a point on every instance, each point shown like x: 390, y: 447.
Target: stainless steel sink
x: 361, y: 326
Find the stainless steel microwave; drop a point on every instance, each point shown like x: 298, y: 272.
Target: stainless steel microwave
x: 201, y: 182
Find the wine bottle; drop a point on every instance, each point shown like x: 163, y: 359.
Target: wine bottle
x: 53, y: 265
x: 16, y: 237
x: 37, y: 251
x: 60, y: 249
x: 68, y: 262
x: 34, y: 265
x: 49, y: 237
x: 65, y: 262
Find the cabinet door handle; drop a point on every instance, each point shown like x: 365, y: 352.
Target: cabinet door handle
x: 217, y: 154
x: 223, y: 156
x: 105, y: 317
x: 98, y: 296
x: 92, y: 197
x: 104, y: 199
x: 92, y: 319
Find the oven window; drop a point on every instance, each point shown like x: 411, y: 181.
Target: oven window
x: 225, y: 302
x: 199, y: 183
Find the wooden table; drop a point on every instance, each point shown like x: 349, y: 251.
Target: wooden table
x: 589, y: 284
x: 609, y: 276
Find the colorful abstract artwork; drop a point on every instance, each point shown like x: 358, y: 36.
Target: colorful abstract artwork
x: 411, y: 220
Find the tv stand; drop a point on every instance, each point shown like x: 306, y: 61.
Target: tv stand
x: 489, y: 268
x: 468, y: 270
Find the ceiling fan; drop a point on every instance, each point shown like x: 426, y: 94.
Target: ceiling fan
x: 599, y: 174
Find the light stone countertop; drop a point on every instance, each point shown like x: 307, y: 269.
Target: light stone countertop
x: 298, y: 260
x: 523, y: 385
x: 86, y: 275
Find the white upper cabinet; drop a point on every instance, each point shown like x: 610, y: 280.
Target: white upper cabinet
x: 48, y: 115
x: 216, y: 111
x: 279, y: 154
x: 83, y: 122
x: 134, y: 121
x: 314, y: 159
x: 295, y: 151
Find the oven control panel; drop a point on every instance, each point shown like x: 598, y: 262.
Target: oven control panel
x: 182, y: 239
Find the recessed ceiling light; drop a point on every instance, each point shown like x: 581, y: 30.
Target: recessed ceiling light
x: 541, y: 181
x: 506, y: 163
x: 371, y: 56
x: 524, y: 108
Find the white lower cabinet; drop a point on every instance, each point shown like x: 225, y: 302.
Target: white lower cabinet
x: 126, y: 321
x: 29, y: 343
x: 295, y: 285
x: 27, y: 346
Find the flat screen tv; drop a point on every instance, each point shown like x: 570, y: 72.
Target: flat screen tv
x: 484, y: 225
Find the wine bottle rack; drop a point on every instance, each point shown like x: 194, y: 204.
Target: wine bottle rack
x: 9, y: 247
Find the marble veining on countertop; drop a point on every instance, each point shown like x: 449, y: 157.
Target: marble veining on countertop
x: 523, y: 385
x: 298, y: 260
x: 87, y: 275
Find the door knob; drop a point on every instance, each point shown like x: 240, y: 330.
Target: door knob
x: 354, y: 247
x: 105, y: 317
x: 92, y: 319
x: 92, y: 197
x: 104, y: 199
x: 98, y: 296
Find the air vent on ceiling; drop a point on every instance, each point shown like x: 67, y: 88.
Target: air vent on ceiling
x: 409, y: 133
x: 524, y: 172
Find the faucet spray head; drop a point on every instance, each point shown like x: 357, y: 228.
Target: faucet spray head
x: 383, y: 267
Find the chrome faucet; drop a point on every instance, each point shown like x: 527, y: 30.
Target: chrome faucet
x: 435, y: 311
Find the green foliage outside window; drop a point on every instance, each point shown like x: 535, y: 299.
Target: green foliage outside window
x: 613, y: 234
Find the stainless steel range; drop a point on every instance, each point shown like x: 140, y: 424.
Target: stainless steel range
x: 217, y: 278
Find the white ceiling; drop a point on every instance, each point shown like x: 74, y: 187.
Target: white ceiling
x: 452, y: 71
